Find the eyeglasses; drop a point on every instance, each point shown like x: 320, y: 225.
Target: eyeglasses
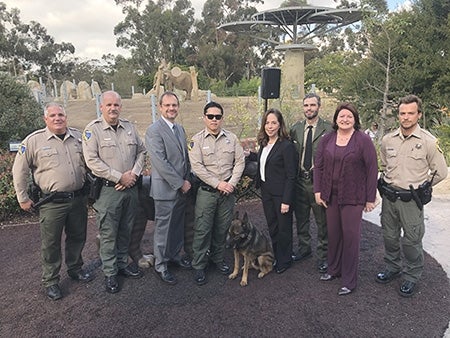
x: 211, y: 116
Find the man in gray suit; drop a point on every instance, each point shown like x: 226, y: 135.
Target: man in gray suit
x: 166, y: 144
x: 304, y: 195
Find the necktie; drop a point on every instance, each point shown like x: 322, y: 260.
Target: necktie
x: 307, y: 161
x: 177, y: 134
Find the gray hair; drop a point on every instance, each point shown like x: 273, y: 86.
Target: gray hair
x: 53, y: 104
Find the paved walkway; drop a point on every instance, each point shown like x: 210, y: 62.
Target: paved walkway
x: 437, y: 231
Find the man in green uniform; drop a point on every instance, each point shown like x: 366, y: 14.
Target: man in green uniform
x: 54, y: 156
x: 410, y: 156
x: 304, y: 195
x: 114, y: 152
x: 217, y: 159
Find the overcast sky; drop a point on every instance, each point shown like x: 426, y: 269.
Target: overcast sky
x: 89, y: 24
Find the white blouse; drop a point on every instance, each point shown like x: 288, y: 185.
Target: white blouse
x: 262, y: 165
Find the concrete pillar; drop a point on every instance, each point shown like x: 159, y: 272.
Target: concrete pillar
x: 293, y: 71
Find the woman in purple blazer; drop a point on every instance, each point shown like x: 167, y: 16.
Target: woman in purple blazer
x: 277, y: 170
x: 345, y: 182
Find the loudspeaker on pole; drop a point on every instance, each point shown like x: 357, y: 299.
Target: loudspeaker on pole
x: 270, y: 83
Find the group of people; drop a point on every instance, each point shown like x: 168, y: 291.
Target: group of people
x: 329, y: 168
x: 337, y: 177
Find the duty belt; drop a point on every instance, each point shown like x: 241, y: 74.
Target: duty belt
x: 207, y: 187
x: 63, y: 197
x: 393, y: 194
x: 107, y: 183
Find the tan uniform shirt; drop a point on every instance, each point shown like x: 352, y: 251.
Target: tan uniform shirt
x: 216, y: 159
x: 110, y: 153
x: 57, y: 164
x: 411, y: 160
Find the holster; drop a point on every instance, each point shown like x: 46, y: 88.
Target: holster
x: 95, y: 186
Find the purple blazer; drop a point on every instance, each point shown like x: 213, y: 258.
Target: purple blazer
x: 358, y: 170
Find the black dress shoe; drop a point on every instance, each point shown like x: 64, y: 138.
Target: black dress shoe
x: 131, y: 271
x: 281, y: 270
x: 81, y: 276
x: 302, y: 256
x: 200, y: 277
x: 386, y: 276
x: 222, y: 267
x: 322, y: 267
x: 54, y: 292
x: 183, y: 263
x: 407, y: 288
x: 111, y: 284
x: 326, y: 277
x: 167, y: 277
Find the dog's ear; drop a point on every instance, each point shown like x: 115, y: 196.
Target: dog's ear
x: 236, y: 214
x: 245, y: 219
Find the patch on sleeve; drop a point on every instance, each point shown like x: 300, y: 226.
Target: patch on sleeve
x: 87, y: 134
x: 190, y: 145
x: 22, y: 149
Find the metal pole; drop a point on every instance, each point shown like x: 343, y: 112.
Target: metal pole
x: 97, y: 103
x: 153, y: 102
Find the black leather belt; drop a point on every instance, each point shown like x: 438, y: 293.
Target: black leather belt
x: 208, y: 188
x: 107, y: 183
x: 307, y: 175
x: 393, y: 194
x: 62, y: 196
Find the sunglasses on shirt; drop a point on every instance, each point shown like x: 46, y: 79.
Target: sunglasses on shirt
x: 211, y: 116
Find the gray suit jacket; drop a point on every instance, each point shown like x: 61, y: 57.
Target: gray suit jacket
x: 168, y: 158
x: 297, y: 134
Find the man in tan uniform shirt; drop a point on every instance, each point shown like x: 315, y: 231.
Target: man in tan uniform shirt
x: 114, y: 152
x: 54, y: 156
x: 409, y: 157
x: 217, y: 159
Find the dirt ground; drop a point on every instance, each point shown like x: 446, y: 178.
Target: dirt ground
x: 293, y: 304
x: 139, y: 111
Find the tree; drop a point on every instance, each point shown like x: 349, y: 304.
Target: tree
x: 159, y: 31
x: 28, y: 47
x: 20, y: 114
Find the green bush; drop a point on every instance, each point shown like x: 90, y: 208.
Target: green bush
x: 9, y: 206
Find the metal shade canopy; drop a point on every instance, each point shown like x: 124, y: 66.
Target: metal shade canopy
x: 311, y: 18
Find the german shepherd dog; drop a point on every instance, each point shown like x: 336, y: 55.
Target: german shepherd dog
x: 248, y: 241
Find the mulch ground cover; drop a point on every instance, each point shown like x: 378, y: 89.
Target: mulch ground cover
x: 292, y: 304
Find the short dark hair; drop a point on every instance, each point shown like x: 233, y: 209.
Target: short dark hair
x: 352, y: 108
x: 168, y: 93
x: 411, y: 99
x: 312, y: 95
x: 212, y: 104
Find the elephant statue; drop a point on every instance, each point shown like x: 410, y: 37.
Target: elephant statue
x: 182, y: 82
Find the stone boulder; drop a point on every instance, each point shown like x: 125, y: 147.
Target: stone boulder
x: 84, y: 91
x: 68, y: 91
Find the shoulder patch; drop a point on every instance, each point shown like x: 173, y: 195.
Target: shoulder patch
x: 22, y: 149
x: 87, y: 134
x: 191, y: 145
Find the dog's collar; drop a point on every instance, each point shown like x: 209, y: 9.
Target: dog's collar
x: 249, y: 237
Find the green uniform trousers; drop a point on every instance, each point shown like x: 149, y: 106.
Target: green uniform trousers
x: 304, y: 202
x: 213, y: 216
x: 115, y: 215
x: 71, y: 217
x: 396, y: 216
